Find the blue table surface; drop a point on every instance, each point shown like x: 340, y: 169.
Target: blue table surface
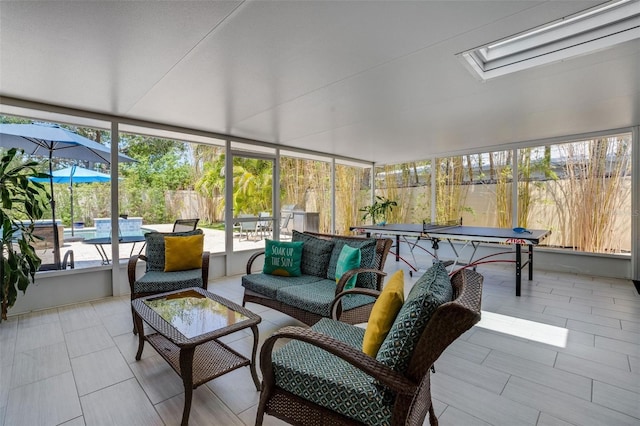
x: 107, y: 240
x: 473, y: 231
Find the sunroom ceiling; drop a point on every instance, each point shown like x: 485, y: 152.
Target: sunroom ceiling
x: 374, y: 80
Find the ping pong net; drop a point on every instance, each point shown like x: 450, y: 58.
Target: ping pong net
x: 435, y: 226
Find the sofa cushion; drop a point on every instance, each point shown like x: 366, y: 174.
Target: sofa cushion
x: 431, y: 290
x: 317, y: 297
x: 323, y: 378
x: 349, y: 259
x: 367, y: 258
x: 268, y: 285
x: 155, y: 247
x: 316, y: 253
x: 160, y: 281
x: 282, y: 258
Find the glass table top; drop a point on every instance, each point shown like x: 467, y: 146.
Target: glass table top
x: 192, y: 313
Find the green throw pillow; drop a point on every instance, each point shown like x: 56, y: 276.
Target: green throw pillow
x: 282, y: 258
x: 349, y: 259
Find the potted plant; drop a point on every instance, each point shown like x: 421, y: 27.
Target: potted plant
x: 379, y: 210
x: 21, y: 202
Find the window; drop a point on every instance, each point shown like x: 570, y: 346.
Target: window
x: 593, y: 29
x: 408, y: 184
x: 582, y: 192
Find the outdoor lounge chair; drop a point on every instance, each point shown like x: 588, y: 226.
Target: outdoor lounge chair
x: 329, y: 380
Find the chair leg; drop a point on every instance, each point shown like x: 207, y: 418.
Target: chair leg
x: 135, y: 330
x: 433, y: 420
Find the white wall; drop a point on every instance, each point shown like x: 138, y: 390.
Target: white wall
x: 67, y: 287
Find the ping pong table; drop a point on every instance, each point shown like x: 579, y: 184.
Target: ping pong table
x: 469, y: 235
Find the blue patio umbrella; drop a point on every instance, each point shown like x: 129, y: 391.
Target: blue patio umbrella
x: 51, y: 140
x: 75, y: 174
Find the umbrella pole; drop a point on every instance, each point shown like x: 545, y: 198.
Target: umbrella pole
x: 73, y: 170
x: 71, y: 191
x: 56, y: 240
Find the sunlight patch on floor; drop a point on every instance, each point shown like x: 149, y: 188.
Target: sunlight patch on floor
x: 531, y: 330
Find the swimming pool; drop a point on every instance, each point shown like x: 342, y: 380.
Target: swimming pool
x: 87, y: 233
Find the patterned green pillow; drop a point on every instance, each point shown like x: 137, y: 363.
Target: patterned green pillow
x: 349, y: 259
x: 430, y: 291
x: 367, y: 248
x: 155, y: 247
x: 316, y: 253
x: 282, y: 258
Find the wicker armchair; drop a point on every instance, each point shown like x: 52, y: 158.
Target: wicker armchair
x: 405, y: 396
x: 155, y: 280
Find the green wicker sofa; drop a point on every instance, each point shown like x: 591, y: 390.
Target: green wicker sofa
x: 321, y: 376
x: 315, y: 294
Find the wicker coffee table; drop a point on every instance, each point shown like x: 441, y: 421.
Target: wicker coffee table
x: 188, y: 324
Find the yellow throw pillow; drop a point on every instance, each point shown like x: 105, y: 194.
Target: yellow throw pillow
x: 383, y: 314
x: 183, y: 253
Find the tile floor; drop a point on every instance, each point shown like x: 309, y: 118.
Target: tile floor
x: 565, y: 353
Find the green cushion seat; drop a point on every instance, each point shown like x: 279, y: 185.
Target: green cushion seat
x: 160, y: 281
x: 337, y: 385
x: 317, y: 297
x: 268, y: 285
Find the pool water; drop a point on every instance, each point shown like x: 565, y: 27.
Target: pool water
x: 87, y: 233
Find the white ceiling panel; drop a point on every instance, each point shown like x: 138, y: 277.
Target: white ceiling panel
x: 375, y: 80
x: 99, y: 55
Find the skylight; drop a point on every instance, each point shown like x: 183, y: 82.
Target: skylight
x: 593, y: 29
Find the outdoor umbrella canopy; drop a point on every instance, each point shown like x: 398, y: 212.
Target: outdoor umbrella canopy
x: 74, y: 174
x: 51, y: 141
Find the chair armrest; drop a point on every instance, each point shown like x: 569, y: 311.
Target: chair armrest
x: 252, y: 259
x: 335, y: 304
x: 383, y: 374
x: 131, y: 268
x: 350, y: 273
x: 68, y: 260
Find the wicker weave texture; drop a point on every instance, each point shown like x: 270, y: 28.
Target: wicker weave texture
x: 413, y: 390
x: 352, y: 316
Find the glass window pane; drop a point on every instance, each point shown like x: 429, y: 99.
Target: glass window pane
x: 172, y: 179
x: 305, y: 195
x: 353, y: 191
x: 582, y: 192
x: 409, y: 185
x: 82, y: 192
x: 252, y: 201
x: 451, y: 190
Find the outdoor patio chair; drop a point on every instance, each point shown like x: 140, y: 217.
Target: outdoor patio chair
x: 182, y: 225
x: 322, y: 376
x: 248, y: 228
x: 166, y: 272
x: 264, y: 226
x: 67, y: 262
x: 285, y: 218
